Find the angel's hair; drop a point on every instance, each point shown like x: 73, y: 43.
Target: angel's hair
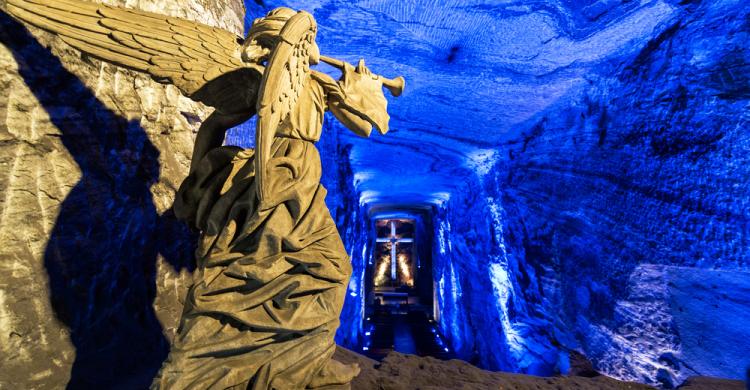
x: 264, y: 34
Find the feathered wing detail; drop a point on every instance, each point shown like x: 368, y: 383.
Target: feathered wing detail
x: 286, y: 73
x: 203, y: 62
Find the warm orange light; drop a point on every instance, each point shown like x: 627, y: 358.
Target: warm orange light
x: 381, y: 272
x: 406, y: 276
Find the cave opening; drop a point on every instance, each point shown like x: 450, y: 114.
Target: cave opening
x: 399, y: 311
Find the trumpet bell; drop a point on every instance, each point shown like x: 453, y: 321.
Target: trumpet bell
x: 395, y: 86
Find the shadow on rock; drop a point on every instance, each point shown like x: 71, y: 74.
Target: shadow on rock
x: 102, y: 253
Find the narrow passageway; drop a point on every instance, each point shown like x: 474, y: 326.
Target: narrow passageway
x: 399, y: 309
x: 405, y: 330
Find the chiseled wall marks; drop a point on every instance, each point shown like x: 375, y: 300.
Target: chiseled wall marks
x: 491, y: 305
x: 94, y: 267
x: 633, y: 195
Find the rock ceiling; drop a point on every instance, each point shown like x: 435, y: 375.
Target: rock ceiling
x: 477, y: 73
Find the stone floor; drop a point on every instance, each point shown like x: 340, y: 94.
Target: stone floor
x: 407, y: 331
x: 409, y: 372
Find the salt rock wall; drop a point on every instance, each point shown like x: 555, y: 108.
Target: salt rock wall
x: 93, y: 266
x: 492, y: 307
x: 617, y: 225
x: 355, y: 229
x: 631, y: 199
x: 352, y: 222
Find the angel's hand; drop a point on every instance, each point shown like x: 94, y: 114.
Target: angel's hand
x: 360, y: 80
x: 212, y: 132
x: 362, y: 103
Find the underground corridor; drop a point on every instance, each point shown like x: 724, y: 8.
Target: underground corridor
x: 399, y: 311
x: 563, y: 184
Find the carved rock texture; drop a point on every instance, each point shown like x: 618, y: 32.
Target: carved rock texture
x: 634, y: 197
x: 586, y: 165
x: 615, y: 222
x: 94, y: 266
x: 405, y: 372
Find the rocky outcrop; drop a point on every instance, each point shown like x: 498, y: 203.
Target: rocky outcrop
x: 631, y: 198
x: 94, y: 266
x: 406, y: 372
x: 613, y: 223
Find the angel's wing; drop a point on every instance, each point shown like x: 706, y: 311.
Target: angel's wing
x: 285, y: 76
x: 202, y: 61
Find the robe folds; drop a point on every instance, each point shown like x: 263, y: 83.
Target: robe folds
x: 270, y: 282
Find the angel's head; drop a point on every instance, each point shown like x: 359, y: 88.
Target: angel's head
x: 264, y: 34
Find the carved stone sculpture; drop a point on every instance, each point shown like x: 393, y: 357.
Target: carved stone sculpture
x: 271, y: 268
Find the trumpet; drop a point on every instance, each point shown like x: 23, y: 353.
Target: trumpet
x: 395, y: 85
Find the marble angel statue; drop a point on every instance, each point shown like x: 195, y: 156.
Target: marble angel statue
x: 271, y: 269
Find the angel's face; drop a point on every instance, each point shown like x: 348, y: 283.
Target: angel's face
x: 314, y: 54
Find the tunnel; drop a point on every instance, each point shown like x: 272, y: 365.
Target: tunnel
x: 573, y: 174
x: 563, y: 181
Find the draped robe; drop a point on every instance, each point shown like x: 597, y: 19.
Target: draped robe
x: 270, y: 283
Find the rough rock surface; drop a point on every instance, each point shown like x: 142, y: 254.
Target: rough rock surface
x: 407, y: 372
x: 585, y: 163
x: 709, y: 383
x: 94, y: 266
x: 631, y: 200
x: 476, y: 71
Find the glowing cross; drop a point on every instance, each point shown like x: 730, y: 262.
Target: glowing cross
x: 393, y: 239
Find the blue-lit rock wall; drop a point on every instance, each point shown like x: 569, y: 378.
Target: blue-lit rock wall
x: 613, y: 217
x: 491, y: 307
x: 632, y: 203
x: 352, y: 223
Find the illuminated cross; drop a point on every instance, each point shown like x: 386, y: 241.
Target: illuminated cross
x: 393, y: 239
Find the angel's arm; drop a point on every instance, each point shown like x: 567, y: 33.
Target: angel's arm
x: 351, y: 120
x: 212, y: 132
x: 341, y: 111
x: 357, y: 100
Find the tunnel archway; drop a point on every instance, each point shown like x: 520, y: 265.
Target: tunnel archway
x: 399, y: 307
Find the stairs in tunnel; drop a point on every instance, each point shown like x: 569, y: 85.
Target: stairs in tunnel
x: 409, y: 331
